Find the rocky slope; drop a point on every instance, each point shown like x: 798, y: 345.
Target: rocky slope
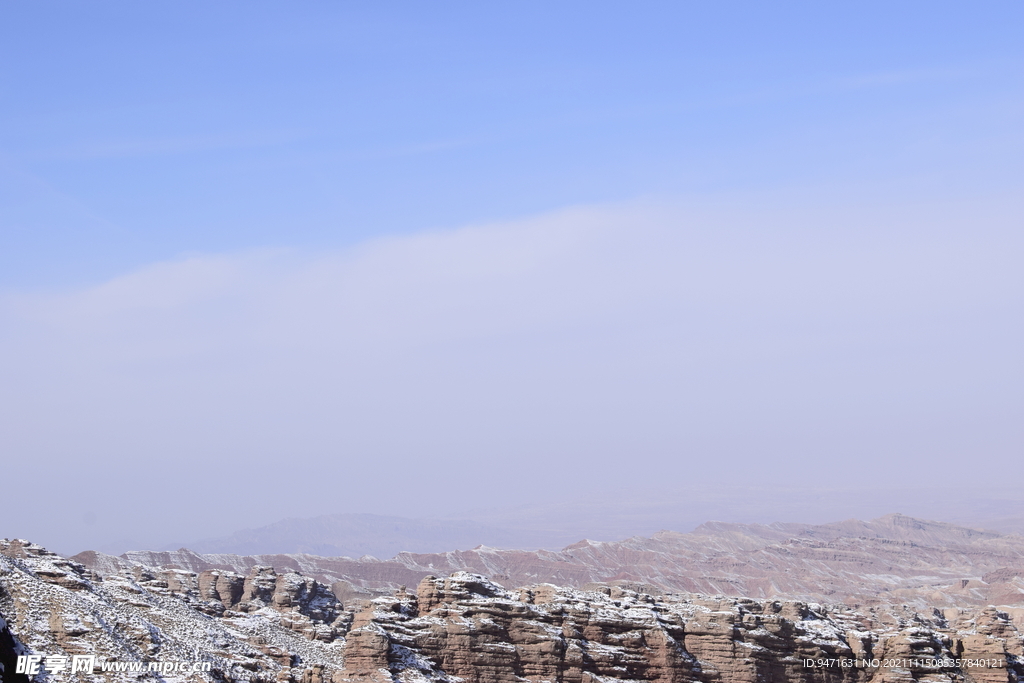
x: 270, y: 625
x: 894, y: 558
x: 257, y: 626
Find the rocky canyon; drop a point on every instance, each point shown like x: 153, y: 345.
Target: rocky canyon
x: 893, y: 599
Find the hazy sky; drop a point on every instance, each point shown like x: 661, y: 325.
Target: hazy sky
x: 265, y: 260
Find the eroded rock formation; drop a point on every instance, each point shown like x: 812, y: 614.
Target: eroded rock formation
x: 465, y: 627
x: 269, y: 625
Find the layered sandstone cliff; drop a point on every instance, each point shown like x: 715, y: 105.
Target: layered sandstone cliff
x: 466, y: 628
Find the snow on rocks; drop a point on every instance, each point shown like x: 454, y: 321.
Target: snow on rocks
x: 145, y: 614
x: 272, y: 625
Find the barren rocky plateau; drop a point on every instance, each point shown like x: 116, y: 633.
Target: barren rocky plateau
x: 893, y: 599
x: 892, y: 559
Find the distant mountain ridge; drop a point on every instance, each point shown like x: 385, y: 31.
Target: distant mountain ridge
x: 892, y: 559
x: 356, y: 535
x: 604, y: 516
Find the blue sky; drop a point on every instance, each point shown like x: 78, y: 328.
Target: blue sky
x: 261, y: 260
x: 137, y: 132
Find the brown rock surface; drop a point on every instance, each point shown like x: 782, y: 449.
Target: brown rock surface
x: 467, y: 628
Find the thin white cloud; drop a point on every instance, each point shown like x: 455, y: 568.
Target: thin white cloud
x: 591, y: 347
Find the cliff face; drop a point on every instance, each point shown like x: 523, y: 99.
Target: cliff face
x: 466, y: 628
x: 267, y: 625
